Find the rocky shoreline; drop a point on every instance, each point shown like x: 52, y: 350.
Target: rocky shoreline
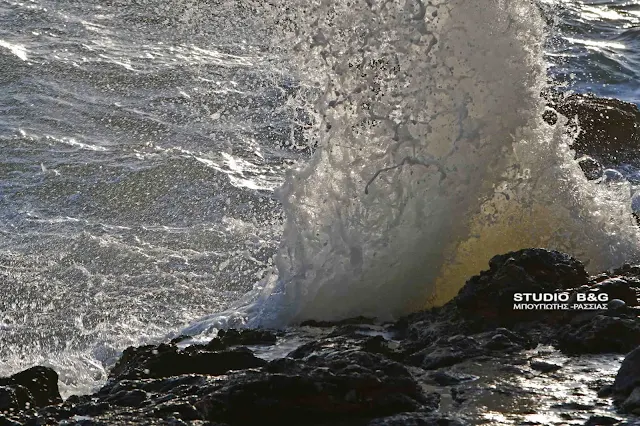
x: 475, y: 360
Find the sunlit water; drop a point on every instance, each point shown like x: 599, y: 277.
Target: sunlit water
x: 141, y: 144
x: 596, y: 46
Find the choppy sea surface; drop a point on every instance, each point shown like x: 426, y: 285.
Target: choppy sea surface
x: 595, y: 46
x: 140, y: 146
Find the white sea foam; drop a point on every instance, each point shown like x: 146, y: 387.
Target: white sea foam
x: 16, y: 49
x: 432, y: 158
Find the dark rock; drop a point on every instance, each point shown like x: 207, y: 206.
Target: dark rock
x: 458, y: 395
x: 610, y: 129
x: 628, y: 377
x: 605, y: 391
x: 348, y: 321
x: 181, y: 410
x: 417, y: 419
x: 503, y: 339
x: 574, y: 406
x: 92, y: 408
x: 8, y: 399
x: 315, y: 390
x: 591, y: 168
x: 631, y: 273
x: 351, y: 330
x: 550, y: 116
x: 544, y: 367
x: 231, y: 337
x: 8, y: 422
x: 167, y: 360
x: 600, y: 334
x: 36, y: 386
x: 282, y: 365
x: 632, y: 403
x: 619, y: 288
x: 490, y: 295
x: 379, y: 345
x: 512, y: 369
x: 422, y: 329
x: 448, y: 378
x: 437, y: 356
x: 499, y: 342
x: 19, y: 396
x: 133, y: 398
x: 440, y: 353
x: 601, y: 421
x: 328, y: 343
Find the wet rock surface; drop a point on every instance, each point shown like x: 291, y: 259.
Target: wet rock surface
x: 609, y: 128
x: 33, y: 388
x: 626, y: 387
x: 475, y: 360
x: 167, y: 360
x: 490, y: 295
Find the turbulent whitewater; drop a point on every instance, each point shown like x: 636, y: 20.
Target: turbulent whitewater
x: 432, y: 158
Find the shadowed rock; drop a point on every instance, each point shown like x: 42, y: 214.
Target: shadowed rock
x: 319, y: 389
x: 486, y: 303
x: 35, y: 387
x: 600, y: 333
x: 623, y: 288
x: 167, y: 360
x: 417, y: 419
x: 626, y: 387
x: 231, y: 337
x: 609, y: 128
x: 490, y: 295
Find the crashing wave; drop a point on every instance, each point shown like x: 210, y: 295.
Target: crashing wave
x: 432, y: 157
